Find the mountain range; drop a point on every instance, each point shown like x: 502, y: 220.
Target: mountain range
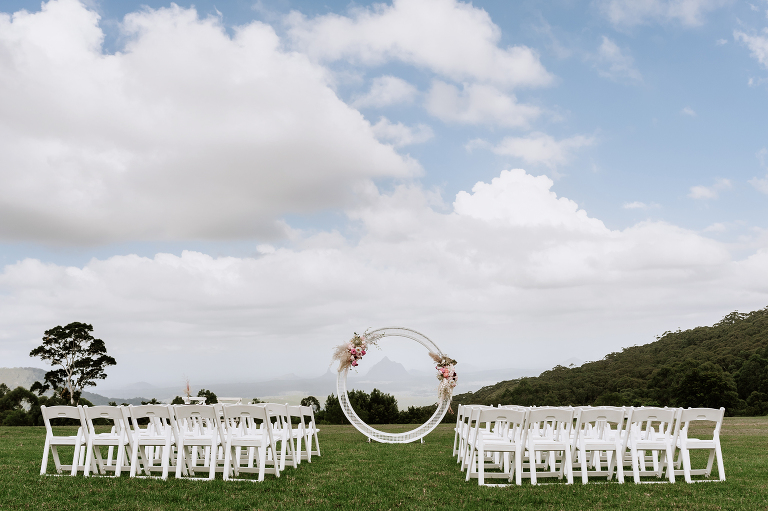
x: 409, y: 387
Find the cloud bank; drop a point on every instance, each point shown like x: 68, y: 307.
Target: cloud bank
x: 185, y: 133
x: 507, y: 266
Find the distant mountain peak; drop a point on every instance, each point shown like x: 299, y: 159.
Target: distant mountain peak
x: 387, y: 370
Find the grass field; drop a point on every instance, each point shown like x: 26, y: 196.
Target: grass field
x: 353, y: 474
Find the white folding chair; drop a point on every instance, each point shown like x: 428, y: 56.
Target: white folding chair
x: 646, y: 435
x: 457, y: 429
x: 159, y: 435
x: 53, y: 442
x: 549, y: 430
x: 230, y: 400
x: 282, y: 432
x: 471, y: 414
x: 298, y: 432
x: 240, y: 429
x: 599, y: 430
x: 504, y: 437
x: 198, y: 428
x: 686, y: 444
x: 311, y: 431
x: 115, y: 440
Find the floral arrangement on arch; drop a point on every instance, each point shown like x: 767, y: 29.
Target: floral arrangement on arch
x: 350, y: 353
x: 446, y: 375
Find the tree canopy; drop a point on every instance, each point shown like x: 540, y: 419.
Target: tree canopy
x: 81, y: 358
x: 725, y: 364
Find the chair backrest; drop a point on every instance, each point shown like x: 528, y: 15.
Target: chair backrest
x: 649, y: 415
x: 689, y: 415
x: 112, y: 413
x: 159, y: 416
x: 308, y: 411
x: 503, y: 418
x: 278, y: 412
x: 593, y: 415
x: 558, y: 420
x: 230, y: 400
x: 702, y: 414
x: 645, y: 414
x: 241, y: 418
x: 58, y: 412
x: 190, y: 416
x: 162, y: 412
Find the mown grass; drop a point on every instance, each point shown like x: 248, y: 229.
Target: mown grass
x: 353, y: 474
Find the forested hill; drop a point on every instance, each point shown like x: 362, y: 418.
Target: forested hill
x: 722, y: 365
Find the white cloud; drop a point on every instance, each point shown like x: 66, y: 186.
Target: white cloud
x: 709, y: 192
x: 512, y: 267
x: 185, y: 133
x: 614, y: 64
x: 721, y: 42
x: 522, y: 200
x: 401, y: 135
x: 639, y: 205
x: 760, y: 184
x: 478, y: 104
x: 451, y: 38
x: 387, y: 91
x: 757, y: 44
x: 688, y: 111
x: 636, y: 12
x: 716, y: 227
x: 541, y: 148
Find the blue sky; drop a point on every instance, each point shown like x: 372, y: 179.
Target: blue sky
x: 262, y: 173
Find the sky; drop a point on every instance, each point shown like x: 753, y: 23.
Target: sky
x: 227, y: 190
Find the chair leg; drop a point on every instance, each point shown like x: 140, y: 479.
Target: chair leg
x: 635, y: 465
x: 262, y: 461
x: 471, y: 464
x: 88, y: 457
x: 670, y: 463
x: 119, y: 460
x: 166, y: 459
x: 212, y: 473
x: 134, y: 458
x: 532, y: 460
x: 481, y: 466
x: 709, y: 462
x: 181, y: 458
x: 76, y: 458
x: 227, y: 458
x: 720, y: 467
x: 583, y: 456
x: 44, y: 465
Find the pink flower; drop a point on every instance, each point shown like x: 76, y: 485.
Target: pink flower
x: 354, y: 363
x: 363, y: 352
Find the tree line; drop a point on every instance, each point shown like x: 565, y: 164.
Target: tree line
x: 21, y: 407
x: 721, y: 365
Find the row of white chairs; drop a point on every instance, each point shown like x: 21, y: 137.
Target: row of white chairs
x: 567, y: 442
x: 184, y: 439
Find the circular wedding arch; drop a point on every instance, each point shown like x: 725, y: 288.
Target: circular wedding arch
x: 381, y: 436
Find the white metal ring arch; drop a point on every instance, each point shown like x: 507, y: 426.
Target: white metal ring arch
x: 381, y: 436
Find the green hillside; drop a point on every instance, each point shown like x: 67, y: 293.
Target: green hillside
x: 721, y: 365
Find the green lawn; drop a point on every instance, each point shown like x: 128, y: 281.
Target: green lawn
x: 353, y: 474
